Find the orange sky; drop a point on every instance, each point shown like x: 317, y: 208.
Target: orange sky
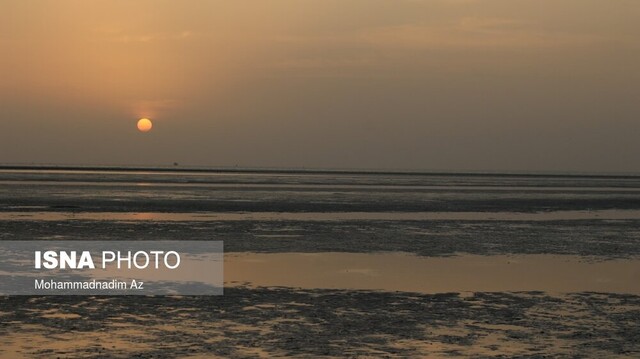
x: 410, y: 84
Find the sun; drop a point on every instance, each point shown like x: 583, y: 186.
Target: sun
x: 144, y: 125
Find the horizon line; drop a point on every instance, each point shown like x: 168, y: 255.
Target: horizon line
x: 284, y: 170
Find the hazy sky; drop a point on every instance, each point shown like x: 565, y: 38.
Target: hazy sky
x: 395, y: 84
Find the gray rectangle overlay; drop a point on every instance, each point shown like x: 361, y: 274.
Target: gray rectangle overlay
x: 111, y: 267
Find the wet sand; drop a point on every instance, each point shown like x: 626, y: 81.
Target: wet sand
x: 342, y: 264
x: 311, y: 323
x: 371, y: 305
x: 605, y: 239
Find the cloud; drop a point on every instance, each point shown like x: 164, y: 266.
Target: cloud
x: 474, y: 32
x: 151, y: 108
x: 374, y: 46
x: 119, y: 36
x: 320, y: 62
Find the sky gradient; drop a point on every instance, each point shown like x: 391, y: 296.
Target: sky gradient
x: 497, y: 85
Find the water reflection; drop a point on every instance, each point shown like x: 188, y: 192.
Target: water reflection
x: 411, y: 273
x: 323, y: 216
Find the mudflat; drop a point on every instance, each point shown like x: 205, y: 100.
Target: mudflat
x: 342, y: 264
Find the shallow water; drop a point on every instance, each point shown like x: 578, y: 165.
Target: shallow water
x: 411, y: 273
x: 149, y: 192
x: 610, y: 214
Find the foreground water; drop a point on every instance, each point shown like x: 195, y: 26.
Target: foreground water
x: 343, y: 263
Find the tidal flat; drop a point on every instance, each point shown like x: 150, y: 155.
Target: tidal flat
x: 342, y: 264
x: 259, y: 322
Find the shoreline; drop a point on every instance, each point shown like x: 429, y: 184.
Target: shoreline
x: 311, y: 171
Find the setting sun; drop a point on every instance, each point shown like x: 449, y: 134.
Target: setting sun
x: 144, y: 125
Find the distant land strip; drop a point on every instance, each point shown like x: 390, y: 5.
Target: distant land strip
x: 177, y: 169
